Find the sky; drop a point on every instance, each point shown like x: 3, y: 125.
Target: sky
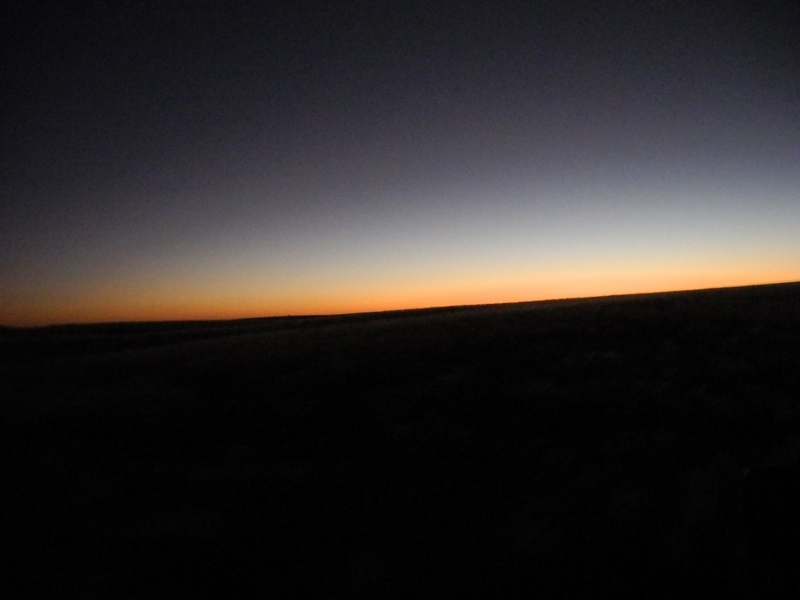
x: 196, y: 160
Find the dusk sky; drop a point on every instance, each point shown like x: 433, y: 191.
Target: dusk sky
x: 190, y: 159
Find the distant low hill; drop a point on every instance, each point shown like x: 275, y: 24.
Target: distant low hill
x: 588, y: 444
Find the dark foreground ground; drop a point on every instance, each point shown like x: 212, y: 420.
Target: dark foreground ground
x: 556, y: 448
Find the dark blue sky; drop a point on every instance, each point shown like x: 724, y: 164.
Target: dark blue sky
x: 189, y: 159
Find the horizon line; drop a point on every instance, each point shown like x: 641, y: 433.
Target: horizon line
x: 386, y: 311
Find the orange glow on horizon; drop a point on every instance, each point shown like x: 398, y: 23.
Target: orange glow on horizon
x: 196, y: 304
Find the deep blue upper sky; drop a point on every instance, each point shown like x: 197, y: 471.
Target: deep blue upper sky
x: 188, y: 159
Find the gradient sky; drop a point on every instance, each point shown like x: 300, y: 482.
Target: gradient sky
x: 185, y: 159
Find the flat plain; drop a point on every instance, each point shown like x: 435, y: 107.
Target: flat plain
x: 565, y: 448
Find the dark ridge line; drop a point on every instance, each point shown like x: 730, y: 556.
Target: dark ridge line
x: 130, y: 327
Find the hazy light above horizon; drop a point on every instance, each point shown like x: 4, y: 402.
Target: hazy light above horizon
x: 244, y: 162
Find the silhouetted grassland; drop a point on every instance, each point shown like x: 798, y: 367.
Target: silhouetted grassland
x: 489, y: 451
